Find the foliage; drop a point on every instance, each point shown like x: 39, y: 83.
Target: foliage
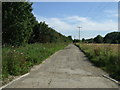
x: 113, y: 37
x: 20, y: 26
x: 17, y: 21
x: 83, y: 39
x: 69, y: 37
x: 23, y: 37
x: 44, y: 34
x: 19, y: 60
x: 105, y: 56
x: 89, y: 40
x: 76, y: 41
x: 98, y: 39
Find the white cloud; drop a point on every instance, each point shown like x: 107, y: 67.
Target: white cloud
x: 68, y: 25
x: 77, y: 18
x: 59, y: 24
x: 105, y: 25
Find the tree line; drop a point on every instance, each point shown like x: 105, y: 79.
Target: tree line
x: 112, y: 38
x: 19, y: 26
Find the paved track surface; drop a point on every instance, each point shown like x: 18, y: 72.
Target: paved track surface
x: 67, y: 68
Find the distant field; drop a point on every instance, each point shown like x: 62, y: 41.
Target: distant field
x: 18, y: 60
x: 105, y: 56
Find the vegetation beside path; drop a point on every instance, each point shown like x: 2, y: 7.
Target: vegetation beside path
x: 19, y: 60
x: 26, y: 41
x: 105, y: 56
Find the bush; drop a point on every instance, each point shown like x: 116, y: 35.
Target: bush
x: 105, y: 56
x: 14, y: 63
x: 19, y: 60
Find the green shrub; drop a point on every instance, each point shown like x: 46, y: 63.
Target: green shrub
x: 105, y: 56
x: 14, y: 63
x: 19, y: 60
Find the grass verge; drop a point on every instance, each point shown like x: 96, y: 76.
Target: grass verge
x: 105, y: 56
x: 19, y: 60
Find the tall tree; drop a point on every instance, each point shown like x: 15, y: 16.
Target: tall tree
x: 98, y: 39
x: 44, y: 34
x: 83, y: 40
x: 113, y: 37
x: 17, y: 21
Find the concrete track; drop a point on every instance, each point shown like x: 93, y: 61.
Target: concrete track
x: 67, y: 68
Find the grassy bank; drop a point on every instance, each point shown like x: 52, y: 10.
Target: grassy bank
x: 105, y: 56
x: 18, y: 60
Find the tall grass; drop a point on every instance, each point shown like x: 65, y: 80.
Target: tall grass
x: 19, y: 60
x: 105, y: 56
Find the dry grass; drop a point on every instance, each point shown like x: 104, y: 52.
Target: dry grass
x: 106, y: 56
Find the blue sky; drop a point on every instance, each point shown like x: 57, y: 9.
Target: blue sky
x: 94, y: 17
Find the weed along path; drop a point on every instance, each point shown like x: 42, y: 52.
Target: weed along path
x: 67, y: 68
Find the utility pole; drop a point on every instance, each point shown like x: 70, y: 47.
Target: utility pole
x: 74, y: 39
x: 79, y: 33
